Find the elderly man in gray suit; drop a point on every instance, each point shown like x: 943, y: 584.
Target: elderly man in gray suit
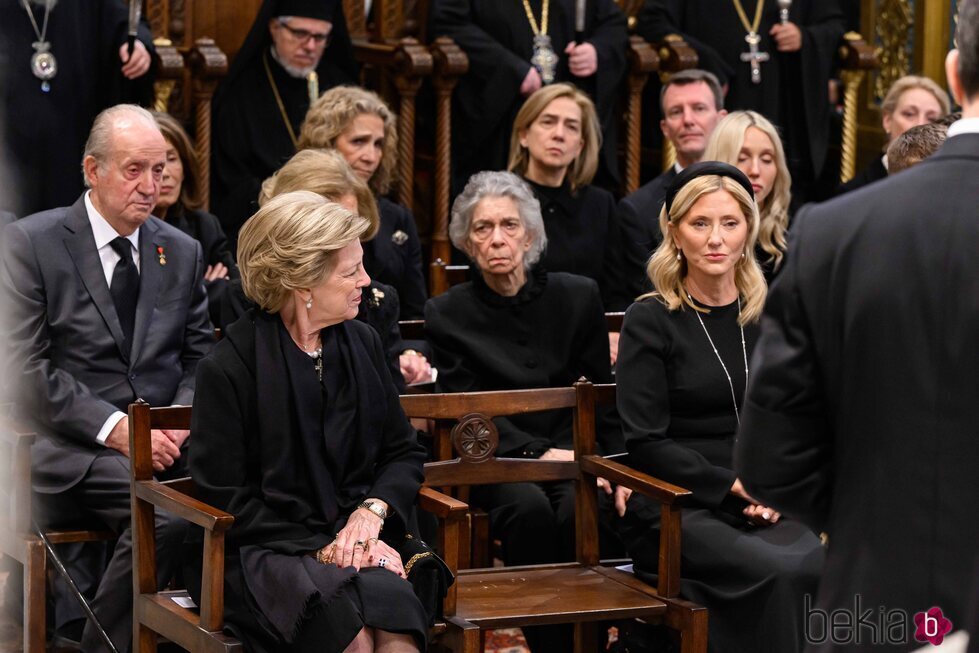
x: 106, y: 305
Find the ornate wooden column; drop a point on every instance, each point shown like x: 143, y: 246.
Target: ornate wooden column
x: 209, y: 64
x: 643, y: 61
x: 857, y: 58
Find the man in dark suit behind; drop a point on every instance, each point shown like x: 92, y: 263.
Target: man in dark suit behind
x: 692, y: 103
x: 861, y: 411
x: 106, y: 305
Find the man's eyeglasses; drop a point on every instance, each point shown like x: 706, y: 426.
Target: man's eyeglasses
x: 303, y: 35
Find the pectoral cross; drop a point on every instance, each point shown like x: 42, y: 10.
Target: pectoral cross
x: 754, y: 57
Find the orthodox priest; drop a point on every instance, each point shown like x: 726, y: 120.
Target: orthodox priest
x: 60, y: 64
x: 778, y: 65
x: 295, y: 50
x: 516, y: 47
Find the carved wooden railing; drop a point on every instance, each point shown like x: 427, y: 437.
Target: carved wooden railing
x: 208, y: 66
x: 169, y: 71
x: 642, y: 60
x: 856, y: 58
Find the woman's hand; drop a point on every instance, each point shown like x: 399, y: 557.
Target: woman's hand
x: 558, y: 454
x: 216, y: 271
x: 622, y: 495
x: 415, y: 368
x: 355, y: 540
x: 756, y: 513
x: 383, y: 556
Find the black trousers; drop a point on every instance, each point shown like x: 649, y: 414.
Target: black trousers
x: 102, y: 497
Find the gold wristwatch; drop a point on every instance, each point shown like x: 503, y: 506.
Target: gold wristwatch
x: 375, y: 508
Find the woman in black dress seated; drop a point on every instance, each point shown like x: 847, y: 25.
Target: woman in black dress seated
x: 518, y: 326
x: 180, y: 205
x: 360, y: 126
x: 681, y: 376
x: 298, y: 433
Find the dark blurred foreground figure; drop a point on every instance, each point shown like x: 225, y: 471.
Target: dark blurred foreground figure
x: 301, y: 437
x: 861, y: 415
x: 295, y: 50
x: 682, y: 370
x: 49, y: 110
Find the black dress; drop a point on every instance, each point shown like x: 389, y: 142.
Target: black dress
x: 291, y: 468
x: 550, y: 334
x: 394, y: 257
x: 678, y: 418
x: 583, y: 238
x: 205, y: 228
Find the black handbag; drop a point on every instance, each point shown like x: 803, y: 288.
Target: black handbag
x: 428, y: 574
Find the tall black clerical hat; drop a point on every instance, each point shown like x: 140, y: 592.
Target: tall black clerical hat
x: 318, y: 9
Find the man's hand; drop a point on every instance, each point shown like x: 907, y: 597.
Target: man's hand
x: 140, y: 62
x: 558, y: 454
x: 582, y: 59
x: 216, y: 271
x: 613, y: 347
x: 165, y: 451
x: 531, y: 82
x: 788, y: 37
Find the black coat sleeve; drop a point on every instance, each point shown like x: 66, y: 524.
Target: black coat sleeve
x: 784, y: 452
x: 645, y: 348
x: 659, y: 18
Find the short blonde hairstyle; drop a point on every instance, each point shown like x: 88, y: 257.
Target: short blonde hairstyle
x: 290, y: 244
x: 583, y: 168
x: 909, y: 82
x: 325, y: 173
x: 335, y: 110
x: 725, y: 145
x: 668, y: 272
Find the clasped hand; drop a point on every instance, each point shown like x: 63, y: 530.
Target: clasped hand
x: 357, y: 545
x: 165, y: 443
x: 755, y: 512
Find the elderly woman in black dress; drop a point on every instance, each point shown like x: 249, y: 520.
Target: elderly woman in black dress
x: 300, y: 436
x: 360, y: 126
x: 516, y: 325
x: 681, y: 376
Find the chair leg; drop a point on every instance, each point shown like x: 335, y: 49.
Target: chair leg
x: 144, y: 639
x: 35, y: 597
x: 586, y: 637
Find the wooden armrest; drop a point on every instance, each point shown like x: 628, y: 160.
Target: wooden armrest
x: 641, y: 56
x: 441, y: 505
x: 407, y: 55
x: 183, y: 506
x: 620, y: 474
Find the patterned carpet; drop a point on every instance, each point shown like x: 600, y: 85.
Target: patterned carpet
x: 507, y: 640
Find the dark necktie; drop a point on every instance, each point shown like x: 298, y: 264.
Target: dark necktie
x: 125, y: 288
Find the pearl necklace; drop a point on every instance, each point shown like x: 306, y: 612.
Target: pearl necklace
x: 744, y: 351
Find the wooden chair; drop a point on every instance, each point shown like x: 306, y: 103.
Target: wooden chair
x: 583, y: 592
x: 156, y: 612
x: 20, y: 538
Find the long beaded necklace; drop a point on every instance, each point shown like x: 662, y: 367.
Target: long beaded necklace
x: 744, y: 351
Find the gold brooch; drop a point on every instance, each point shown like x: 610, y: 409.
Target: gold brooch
x: 377, y: 296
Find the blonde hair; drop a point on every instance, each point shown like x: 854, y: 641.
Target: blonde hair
x: 909, y: 82
x: 291, y: 243
x: 725, y: 145
x: 667, y: 272
x: 582, y: 169
x: 335, y: 110
x: 325, y: 173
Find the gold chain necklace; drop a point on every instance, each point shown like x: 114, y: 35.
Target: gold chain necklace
x: 753, y: 57
x: 278, y: 101
x: 544, y: 59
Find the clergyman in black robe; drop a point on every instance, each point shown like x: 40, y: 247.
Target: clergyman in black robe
x: 259, y: 107
x: 498, y: 39
x: 45, y: 131
x: 793, y: 91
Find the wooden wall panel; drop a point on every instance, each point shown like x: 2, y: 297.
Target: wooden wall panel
x: 226, y: 21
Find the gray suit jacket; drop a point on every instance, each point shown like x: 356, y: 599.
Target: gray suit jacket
x: 68, y: 370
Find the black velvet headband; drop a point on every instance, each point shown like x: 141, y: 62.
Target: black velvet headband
x: 703, y: 169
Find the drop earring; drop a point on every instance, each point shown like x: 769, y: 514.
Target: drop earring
x: 309, y: 303
x: 679, y: 255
